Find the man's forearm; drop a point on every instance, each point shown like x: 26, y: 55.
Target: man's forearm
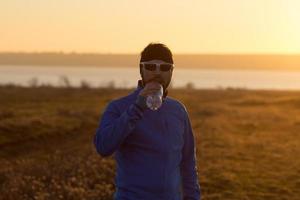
x: 114, y: 129
x: 190, y: 184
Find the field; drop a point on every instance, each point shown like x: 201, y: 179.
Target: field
x: 248, y: 143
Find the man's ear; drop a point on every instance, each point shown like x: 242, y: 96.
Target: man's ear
x: 142, y: 75
x: 141, y: 72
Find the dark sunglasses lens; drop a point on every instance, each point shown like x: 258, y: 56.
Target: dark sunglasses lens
x: 150, y: 67
x: 165, y: 67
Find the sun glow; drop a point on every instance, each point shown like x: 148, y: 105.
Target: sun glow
x: 192, y: 26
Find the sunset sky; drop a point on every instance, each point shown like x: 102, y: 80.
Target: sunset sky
x: 126, y: 26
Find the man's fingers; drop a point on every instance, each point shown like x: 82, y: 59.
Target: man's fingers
x: 150, y: 92
x: 147, y: 92
x: 152, y: 87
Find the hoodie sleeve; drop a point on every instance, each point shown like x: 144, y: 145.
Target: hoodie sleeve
x: 115, y: 127
x: 188, y: 168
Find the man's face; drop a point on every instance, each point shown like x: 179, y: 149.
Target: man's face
x: 163, y: 77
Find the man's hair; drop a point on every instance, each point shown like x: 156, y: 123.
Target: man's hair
x: 156, y: 51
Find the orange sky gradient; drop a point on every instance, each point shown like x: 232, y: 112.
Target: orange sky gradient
x: 127, y: 26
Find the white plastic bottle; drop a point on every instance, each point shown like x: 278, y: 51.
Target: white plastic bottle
x: 154, y: 101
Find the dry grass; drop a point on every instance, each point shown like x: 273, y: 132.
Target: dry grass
x: 248, y: 143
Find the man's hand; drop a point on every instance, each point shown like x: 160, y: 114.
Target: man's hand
x: 150, y: 88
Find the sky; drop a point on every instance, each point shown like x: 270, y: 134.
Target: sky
x: 127, y: 26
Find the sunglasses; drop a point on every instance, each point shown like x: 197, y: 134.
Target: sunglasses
x: 164, y: 67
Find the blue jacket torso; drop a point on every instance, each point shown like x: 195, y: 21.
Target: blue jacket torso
x: 154, y: 150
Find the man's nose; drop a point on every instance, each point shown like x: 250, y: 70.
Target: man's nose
x: 157, y: 70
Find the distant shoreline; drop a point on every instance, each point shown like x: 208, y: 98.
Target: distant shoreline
x: 183, y: 61
x: 187, y: 68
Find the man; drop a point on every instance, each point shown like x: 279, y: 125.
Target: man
x: 154, y: 149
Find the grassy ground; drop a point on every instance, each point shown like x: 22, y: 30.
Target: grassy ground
x: 248, y: 143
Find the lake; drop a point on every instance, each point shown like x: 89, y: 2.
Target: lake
x: 126, y: 77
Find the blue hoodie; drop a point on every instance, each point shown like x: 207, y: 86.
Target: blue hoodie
x: 154, y: 150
